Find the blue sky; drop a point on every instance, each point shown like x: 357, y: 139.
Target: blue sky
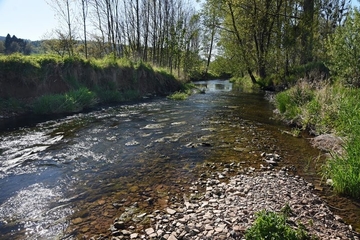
x: 32, y: 19
x: 27, y: 19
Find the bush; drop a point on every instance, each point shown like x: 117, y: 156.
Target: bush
x: 273, y: 226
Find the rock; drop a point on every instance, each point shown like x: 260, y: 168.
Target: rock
x: 141, y: 215
x: 227, y: 210
x: 134, y: 235
x: 126, y: 232
x: 329, y: 182
x: 77, y: 220
x: 171, y: 237
x: 328, y: 143
x: 149, y: 231
x: 170, y: 211
x: 119, y: 225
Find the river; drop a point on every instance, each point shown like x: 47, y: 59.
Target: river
x: 71, y: 176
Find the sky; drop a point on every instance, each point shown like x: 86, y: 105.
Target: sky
x: 26, y: 19
x: 33, y: 19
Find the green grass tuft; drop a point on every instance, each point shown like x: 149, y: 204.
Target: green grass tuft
x: 273, y: 226
x: 178, y: 96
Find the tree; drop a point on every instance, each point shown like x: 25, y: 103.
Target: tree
x: 210, y: 22
x: 84, y: 5
x: 344, y: 50
x: 7, y: 44
x: 2, y: 47
x: 14, y: 44
x: 307, y: 31
x: 65, y: 12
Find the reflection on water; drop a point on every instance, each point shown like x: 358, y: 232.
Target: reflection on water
x: 213, y: 86
x: 80, y: 171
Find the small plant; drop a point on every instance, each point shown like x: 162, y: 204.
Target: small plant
x: 273, y: 226
x: 178, y: 96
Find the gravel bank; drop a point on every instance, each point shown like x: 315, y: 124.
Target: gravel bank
x: 228, y: 208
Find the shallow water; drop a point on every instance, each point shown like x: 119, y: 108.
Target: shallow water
x: 71, y: 176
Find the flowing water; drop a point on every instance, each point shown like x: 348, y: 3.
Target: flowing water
x: 71, y: 176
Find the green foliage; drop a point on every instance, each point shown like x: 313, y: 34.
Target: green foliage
x: 333, y: 108
x: 244, y: 83
x: 291, y: 101
x: 345, y: 170
x: 344, y: 50
x: 72, y: 101
x: 109, y: 95
x: 273, y: 226
x: 11, y: 105
x: 178, y: 96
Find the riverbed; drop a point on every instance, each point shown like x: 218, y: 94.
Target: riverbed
x: 71, y: 176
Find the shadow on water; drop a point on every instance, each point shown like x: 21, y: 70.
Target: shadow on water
x: 74, y: 175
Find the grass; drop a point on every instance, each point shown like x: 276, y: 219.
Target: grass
x: 185, y: 92
x: 11, y: 104
x: 90, y: 81
x: 345, y: 170
x: 178, y: 96
x: 72, y: 101
x: 331, y: 109
x: 273, y: 226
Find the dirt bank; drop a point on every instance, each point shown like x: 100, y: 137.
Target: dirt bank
x: 25, y: 79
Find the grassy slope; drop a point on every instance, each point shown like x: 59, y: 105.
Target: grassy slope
x: 330, y: 108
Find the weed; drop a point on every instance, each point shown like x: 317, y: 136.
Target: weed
x: 271, y: 225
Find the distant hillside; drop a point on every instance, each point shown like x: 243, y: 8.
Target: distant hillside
x: 2, y: 38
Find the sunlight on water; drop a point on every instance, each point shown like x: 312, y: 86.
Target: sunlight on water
x: 36, y: 211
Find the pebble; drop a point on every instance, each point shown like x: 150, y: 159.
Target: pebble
x: 227, y: 210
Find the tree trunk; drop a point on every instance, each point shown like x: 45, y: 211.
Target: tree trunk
x: 307, y: 32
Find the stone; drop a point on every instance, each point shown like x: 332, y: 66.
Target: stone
x: 170, y: 211
x: 149, y: 231
x: 226, y: 210
x: 172, y: 237
x: 126, y: 232
x: 134, y: 235
x: 119, y: 225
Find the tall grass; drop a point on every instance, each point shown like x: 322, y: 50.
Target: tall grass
x: 72, y: 101
x: 344, y: 170
x: 331, y: 109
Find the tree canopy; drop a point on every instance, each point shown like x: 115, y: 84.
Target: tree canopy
x: 16, y: 45
x: 265, y: 37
